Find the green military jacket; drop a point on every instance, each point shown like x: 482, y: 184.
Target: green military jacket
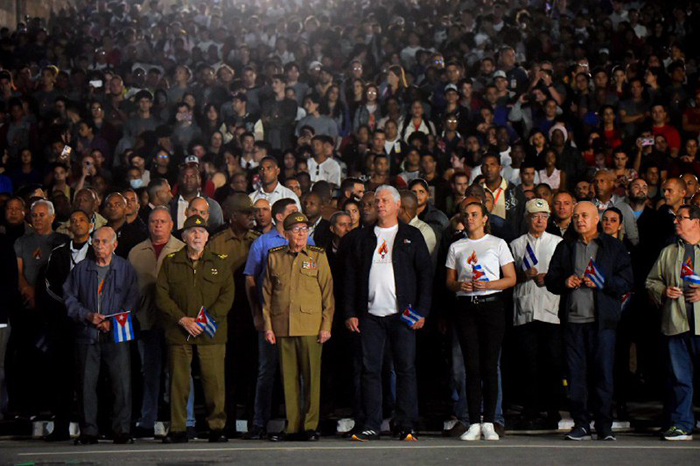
x: 183, y: 288
x: 298, y: 292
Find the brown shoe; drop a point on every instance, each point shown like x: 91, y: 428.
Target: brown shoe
x: 457, y: 430
x: 500, y: 429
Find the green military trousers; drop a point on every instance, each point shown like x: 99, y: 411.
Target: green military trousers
x: 300, y: 359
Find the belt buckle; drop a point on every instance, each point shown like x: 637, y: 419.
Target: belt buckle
x: 475, y: 299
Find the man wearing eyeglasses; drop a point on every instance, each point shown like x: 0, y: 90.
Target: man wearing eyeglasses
x: 672, y: 284
x: 298, y: 312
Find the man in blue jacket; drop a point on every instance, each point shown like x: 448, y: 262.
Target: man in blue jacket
x: 98, y: 287
x: 387, y: 271
x: 591, y: 274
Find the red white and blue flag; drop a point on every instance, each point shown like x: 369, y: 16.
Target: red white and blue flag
x: 593, y: 273
x: 122, y: 327
x: 688, y: 274
x: 478, y: 273
x: 205, y: 321
x: 410, y: 316
x: 530, y: 259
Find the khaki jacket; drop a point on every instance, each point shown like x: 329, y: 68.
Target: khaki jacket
x: 298, y: 292
x: 667, y: 272
x: 143, y: 258
x: 183, y: 288
x: 235, y: 248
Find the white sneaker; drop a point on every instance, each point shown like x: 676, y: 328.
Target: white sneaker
x: 489, y: 432
x: 473, y: 433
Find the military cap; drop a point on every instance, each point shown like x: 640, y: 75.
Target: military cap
x: 293, y: 219
x: 194, y: 221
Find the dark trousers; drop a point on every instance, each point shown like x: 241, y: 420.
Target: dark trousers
x: 683, y: 353
x: 268, y: 364
x: 374, y: 334
x: 116, y: 358
x: 590, y: 357
x: 61, y: 371
x: 480, y: 328
x: 539, y: 351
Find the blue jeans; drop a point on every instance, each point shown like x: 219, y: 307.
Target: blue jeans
x: 150, y: 346
x: 268, y: 362
x: 590, y: 357
x: 191, y: 421
x: 374, y: 334
x: 683, y: 356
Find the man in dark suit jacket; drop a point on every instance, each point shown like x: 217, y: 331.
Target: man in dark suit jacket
x: 387, y: 272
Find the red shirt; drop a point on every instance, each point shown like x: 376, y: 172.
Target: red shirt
x: 670, y: 133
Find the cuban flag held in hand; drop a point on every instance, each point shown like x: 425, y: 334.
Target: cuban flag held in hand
x: 594, y: 274
x: 205, y: 321
x: 530, y: 259
x: 410, y: 316
x: 688, y: 274
x: 122, y: 327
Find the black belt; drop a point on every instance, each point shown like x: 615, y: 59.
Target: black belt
x: 489, y: 298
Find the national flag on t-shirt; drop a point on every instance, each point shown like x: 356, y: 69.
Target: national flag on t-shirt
x: 410, y: 316
x: 478, y: 273
x: 205, y: 321
x: 688, y: 274
x: 594, y: 274
x: 122, y: 327
x: 529, y: 259
x: 626, y: 298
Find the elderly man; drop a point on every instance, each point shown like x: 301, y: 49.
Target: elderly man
x: 673, y: 284
x: 96, y: 288
x: 298, y: 307
x: 385, y: 275
x: 147, y: 258
x: 536, y: 317
x: 194, y: 292
x: 591, y: 274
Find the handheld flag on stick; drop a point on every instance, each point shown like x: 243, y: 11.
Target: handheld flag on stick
x: 410, y: 316
x: 205, y: 321
x: 122, y: 327
x: 688, y: 274
x: 593, y: 273
x: 529, y: 260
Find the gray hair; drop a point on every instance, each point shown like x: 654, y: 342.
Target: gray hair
x: 114, y: 233
x: 394, y: 192
x: 47, y: 204
x: 160, y: 208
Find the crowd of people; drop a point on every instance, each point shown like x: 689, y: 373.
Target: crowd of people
x: 486, y: 206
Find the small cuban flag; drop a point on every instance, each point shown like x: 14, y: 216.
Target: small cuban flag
x: 594, y: 274
x: 410, y: 316
x: 688, y: 274
x: 122, y: 327
x: 529, y: 259
x: 205, y: 321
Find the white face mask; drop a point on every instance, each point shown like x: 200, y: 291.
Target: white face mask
x: 136, y: 184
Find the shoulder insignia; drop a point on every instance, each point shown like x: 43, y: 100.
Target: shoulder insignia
x: 315, y: 248
x: 222, y: 256
x: 278, y: 248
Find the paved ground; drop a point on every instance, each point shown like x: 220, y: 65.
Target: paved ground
x: 514, y: 449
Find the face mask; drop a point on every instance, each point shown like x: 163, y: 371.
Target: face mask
x: 136, y: 184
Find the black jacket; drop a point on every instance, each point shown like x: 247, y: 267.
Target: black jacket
x: 413, y: 271
x: 8, y: 279
x: 612, y: 260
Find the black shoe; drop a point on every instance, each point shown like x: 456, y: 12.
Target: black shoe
x: 86, y: 440
x: 191, y: 433
x: 500, y: 429
x: 579, y: 433
x: 607, y: 435
x: 408, y: 436
x: 312, y: 436
x: 256, y: 433
x: 176, y: 437
x: 278, y: 437
x: 142, y: 432
x: 366, y: 435
x: 122, y: 439
x: 217, y: 436
x: 58, y: 435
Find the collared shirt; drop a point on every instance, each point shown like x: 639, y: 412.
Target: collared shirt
x: 582, y: 299
x: 280, y: 192
x: 532, y: 302
x: 427, y: 232
x: 182, y: 205
x: 499, y: 198
x: 77, y: 255
x: 328, y: 170
x: 312, y: 228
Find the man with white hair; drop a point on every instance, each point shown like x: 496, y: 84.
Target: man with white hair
x: 102, y: 285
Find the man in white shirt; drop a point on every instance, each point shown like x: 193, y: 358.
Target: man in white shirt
x: 322, y: 166
x: 536, y: 318
x: 409, y: 214
x: 270, y: 188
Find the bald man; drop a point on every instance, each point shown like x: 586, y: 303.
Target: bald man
x: 262, y: 213
x: 590, y: 312
x: 197, y: 206
x: 674, y: 191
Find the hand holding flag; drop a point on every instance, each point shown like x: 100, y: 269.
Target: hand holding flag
x: 205, y: 321
x: 594, y: 276
x: 529, y: 259
x: 688, y: 274
x: 122, y: 327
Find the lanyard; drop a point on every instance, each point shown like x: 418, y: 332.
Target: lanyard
x: 498, y: 194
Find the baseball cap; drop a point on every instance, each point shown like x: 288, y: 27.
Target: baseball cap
x: 315, y: 64
x: 193, y: 222
x: 293, y: 219
x: 534, y: 206
x: 451, y: 87
x: 191, y: 159
x: 500, y: 74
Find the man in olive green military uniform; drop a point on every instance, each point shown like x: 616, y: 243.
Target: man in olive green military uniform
x: 298, y: 309
x: 189, y: 280
x: 235, y: 241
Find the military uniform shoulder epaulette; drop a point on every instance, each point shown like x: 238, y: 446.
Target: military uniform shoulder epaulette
x: 316, y: 248
x: 279, y: 248
x: 221, y: 256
